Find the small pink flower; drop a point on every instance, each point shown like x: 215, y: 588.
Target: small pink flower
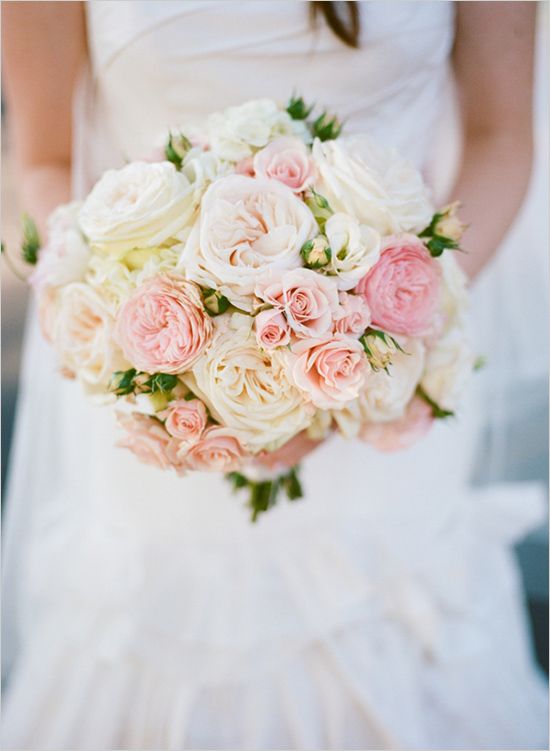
x: 401, y: 433
x: 219, y: 450
x: 146, y: 437
x: 245, y: 167
x: 163, y: 327
x: 402, y: 289
x: 272, y: 329
x: 308, y: 300
x: 331, y: 371
x: 286, y: 159
x: 353, y: 316
x: 185, y: 420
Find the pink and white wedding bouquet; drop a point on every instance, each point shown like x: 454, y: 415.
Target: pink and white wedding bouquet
x: 259, y: 277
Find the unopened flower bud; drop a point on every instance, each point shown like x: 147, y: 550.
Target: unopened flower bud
x: 380, y: 348
x: 448, y: 224
x: 176, y: 148
x: 316, y: 252
x: 326, y: 127
x: 214, y: 302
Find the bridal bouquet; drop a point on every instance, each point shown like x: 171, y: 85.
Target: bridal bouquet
x: 256, y: 278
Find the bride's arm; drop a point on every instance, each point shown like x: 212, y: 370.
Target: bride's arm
x: 493, y: 63
x: 44, y: 46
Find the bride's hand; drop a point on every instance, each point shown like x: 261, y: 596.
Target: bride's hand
x: 291, y: 453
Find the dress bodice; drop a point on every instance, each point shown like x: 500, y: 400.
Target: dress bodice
x: 158, y: 64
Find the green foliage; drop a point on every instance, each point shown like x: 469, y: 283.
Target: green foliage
x: 214, y: 302
x: 31, y: 240
x: 264, y: 495
x: 132, y: 381
x: 437, y: 411
x: 326, y: 127
x: 298, y: 109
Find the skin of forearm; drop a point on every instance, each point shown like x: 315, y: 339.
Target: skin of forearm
x: 491, y: 186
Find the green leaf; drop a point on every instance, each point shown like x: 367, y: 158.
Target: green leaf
x: 31, y: 240
x: 437, y: 244
x: 437, y: 411
x: 163, y: 382
x: 298, y: 109
x: 122, y: 382
x: 237, y: 479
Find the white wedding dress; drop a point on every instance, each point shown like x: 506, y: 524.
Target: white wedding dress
x: 383, y: 610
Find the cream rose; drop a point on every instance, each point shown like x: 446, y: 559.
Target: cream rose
x: 83, y: 335
x: 246, y: 225
x: 455, y: 302
x: 372, y: 183
x: 355, y: 249
x: 385, y: 395
x: 247, y: 389
x: 138, y: 206
x: 449, y: 365
x: 65, y: 256
x: 238, y: 131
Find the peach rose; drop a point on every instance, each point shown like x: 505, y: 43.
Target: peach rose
x: 163, y: 327
x: 331, y: 371
x: 401, y: 433
x: 308, y: 300
x: 272, y: 329
x: 286, y: 159
x: 403, y: 288
x: 353, y: 316
x: 245, y: 167
x: 219, y: 450
x: 185, y: 420
x: 146, y: 438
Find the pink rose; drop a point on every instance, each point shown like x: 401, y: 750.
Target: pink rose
x: 219, y: 450
x: 163, y: 327
x: 286, y: 159
x: 245, y: 167
x: 146, y: 438
x: 402, y: 289
x: 331, y: 371
x: 353, y: 316
x: 185, y: 420
x: 401, y: 433
x: 272, y: 329
x: 308, y: 300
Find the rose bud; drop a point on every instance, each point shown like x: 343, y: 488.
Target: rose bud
x: 380, y: 348
x: 214, y: 302
x: 448, y: 223
x: 176, y: 148
x: 316, y: 252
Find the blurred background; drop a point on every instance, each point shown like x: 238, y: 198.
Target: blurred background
x: 516, y: 437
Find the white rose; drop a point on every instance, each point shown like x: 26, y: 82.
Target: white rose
x: 247, y: 389
x: 246, y: 225
x: 139, y: 206
x: 372, y: 183
x: 449, y: 365
x: 386, y: 394
x: 65, y: 257
x: 455, y: 300
x: 82, y: 335
x: 237, y: 132
x: 117, y: 278
x: 355, y: 249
